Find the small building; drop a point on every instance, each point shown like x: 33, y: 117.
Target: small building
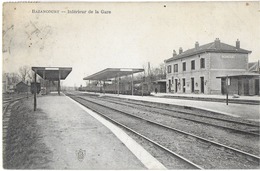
x: 160, y: 85
x: 195, y: 70
x: 241, y: 84
x: 21, y: 87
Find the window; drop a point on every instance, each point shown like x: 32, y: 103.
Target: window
x: 193, y: 64
x: 175, y: 67
x: 202, y: 63
x: 169, y: 69
x: 184, y: 66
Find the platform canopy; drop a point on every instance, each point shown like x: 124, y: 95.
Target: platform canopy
x: 52, y: 73
x: 242, y: 75
x: 113, y: 73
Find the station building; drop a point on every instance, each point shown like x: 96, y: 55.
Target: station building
x: 196, y: 70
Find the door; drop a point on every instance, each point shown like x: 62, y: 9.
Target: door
x: 176, y: 85
x: 183, y: 85
x: 223, y: 86
x: 246, y: 86
x: 239, y: 86
x: 170, y: 84
x: 202, y: 84
x: 192, y: 85
x: 256, y: 86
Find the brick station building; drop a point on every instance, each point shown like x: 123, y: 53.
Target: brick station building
x: 195, y: 70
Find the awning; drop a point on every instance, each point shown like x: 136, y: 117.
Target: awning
x: 113, y: 73
x: 241, y: 75
x: 52, y: 73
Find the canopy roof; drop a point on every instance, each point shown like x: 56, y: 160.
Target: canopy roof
x: 52, y: 73
x: 241, y: 75
x: 113, y: 73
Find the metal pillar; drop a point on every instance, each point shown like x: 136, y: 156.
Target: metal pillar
x: 132, y: 83
x: 115, y: 86
x: 104, y: 87
x: 35, y: 91
x: 44, y: 82
x: 88, y: 85
x: 227, y: 90
x: 118, y: 84
x: 59, y: 84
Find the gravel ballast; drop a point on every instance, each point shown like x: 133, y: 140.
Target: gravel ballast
x: 208, y: 155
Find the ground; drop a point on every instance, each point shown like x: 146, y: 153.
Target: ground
x: 64, y: 138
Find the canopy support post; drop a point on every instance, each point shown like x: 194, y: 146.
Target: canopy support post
x: 118, y: 84
x: 132, y: 83
x: 35, y: 91
x: 59, y: 84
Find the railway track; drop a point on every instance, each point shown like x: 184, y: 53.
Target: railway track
x: 240, y: 159
x: 190, y: 164
x: 8, y: 101
x: 242, y: 127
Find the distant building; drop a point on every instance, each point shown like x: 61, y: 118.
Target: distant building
x: 21, y: 87
x: 195, y: 70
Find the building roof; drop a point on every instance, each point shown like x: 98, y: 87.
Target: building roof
x: 254, y: 67
x: 245, y: 74
x: 21, y: 83
x: 52, y: 73
x: 113, y: 73
x: 210, y: 47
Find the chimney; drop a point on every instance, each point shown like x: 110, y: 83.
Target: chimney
x: 217, y: 43
x: 180, y: 50
x: 174, y: 53
x: 197, y: 45
x: 238, y: 44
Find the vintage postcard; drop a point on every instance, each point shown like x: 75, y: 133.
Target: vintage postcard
x: 131, y: 85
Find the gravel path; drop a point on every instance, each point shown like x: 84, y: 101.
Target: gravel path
x: 60, y: 135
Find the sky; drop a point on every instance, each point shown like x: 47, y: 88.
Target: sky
x: 130, y: 36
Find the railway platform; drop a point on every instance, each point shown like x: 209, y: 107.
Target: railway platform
x: 246, y: 111
x: 205, y: 97
x: 80, y: 140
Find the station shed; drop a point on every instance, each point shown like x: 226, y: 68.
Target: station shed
x: 160, y: 85
x: 21, y: 87
x: 114, y: 73
x: 242, y: 84
x: 50, y: 74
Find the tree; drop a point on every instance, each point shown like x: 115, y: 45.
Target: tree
x: 25, y: 73
x: 12, y: 78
